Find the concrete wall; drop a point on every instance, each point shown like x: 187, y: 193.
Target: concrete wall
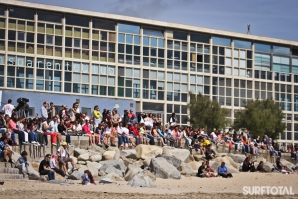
x: 36, y: 100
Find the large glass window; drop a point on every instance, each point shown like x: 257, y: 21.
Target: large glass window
x: 262, y: 47
x: 134, y: 29
x: 50, y: 16
x: 221, y: 41
x: 281, y: 64
x: 242, y: 44
x: 103, y: 24
x: 155, y: 33
x: 280, y: 49
x: 196, y: 37
x: 16, y: 12
x: 262, y: 61
x: 77, y: 20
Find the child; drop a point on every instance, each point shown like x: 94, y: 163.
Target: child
x: 85, y: 178
x: 142, y: 133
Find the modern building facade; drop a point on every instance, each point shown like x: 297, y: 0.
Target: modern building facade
x: 62, y: 54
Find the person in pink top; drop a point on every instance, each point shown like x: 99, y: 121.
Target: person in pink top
x: 86, y: 130
x: 176, y: 135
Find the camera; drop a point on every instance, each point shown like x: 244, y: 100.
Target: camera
x: 22, y: 100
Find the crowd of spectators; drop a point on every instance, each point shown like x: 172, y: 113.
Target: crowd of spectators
x: 130, y: 129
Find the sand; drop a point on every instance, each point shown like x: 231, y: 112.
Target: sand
x: 187, y: 187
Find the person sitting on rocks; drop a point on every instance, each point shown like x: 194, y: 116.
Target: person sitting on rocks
x: 54, y: 166
x: 209, y: 170
x: 204, y: 144
x: 63, y: 157
x: 45, y: 169
x: 260, y: 167
x: 5, y: 150
x: 23, y: 165
x: 202, y: 172
x: 248, y: 165
x: 210, y: 154
x: 223, y: 171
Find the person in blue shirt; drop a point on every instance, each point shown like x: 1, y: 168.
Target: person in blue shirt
x: 223, y: 171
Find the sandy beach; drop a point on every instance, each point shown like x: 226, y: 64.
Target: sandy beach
x: 187, y: 187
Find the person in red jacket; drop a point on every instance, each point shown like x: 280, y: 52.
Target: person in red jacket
x: 135, y: 130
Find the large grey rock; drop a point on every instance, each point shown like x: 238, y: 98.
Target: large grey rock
x: 93, y: 167
x: 139, y: 163
x: 115, y: 171
x: 34, y: 173
x: 141, y: 180
x: 130, y: 153
x: 113, y: 176
x: 149, y: 174
x: 96, y: 148
x: 186, y: 169
x: 147, y: 162
x: 163, y: 169
x: 126, y: 161
x: 78, y: 151
x: 172, y: 160
x: 76, y: 175
x: 268, y: 167
x: 239, y: 158
x: 83, y: 157
x: 131, y: 172
x: 113, y: 166
x: 214, y: 166
x: 95, y: 158
x: 147, y: 151
x: 117, y: 152
x: 181, y: 154
x: 287, y: 163
x: 109, y: 155
x: 228, y: 161
x: 198, y: 158
x: 82, y: 162
x: 195, y: 165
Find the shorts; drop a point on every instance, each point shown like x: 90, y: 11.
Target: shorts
x: 148, y: 127
x: 64, y: 160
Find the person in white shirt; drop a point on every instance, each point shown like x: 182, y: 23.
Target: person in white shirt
x: 63, y: 157
x: 54, y: 123
x: 123, y: 135
x: 77, y: 128
x: 54, y: 166
x: 8, y: 108
x: 44, y: 111
x: 48, y: 130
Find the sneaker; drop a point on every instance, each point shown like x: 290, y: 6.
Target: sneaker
x: 113, y: 145
x: 54, y: 144
x: 24, y: 143
x: 4, y: 160
x: 33, y: 142
x: 42, y: 145
x: 10, y: 161
x: 66, y: 177
x: 69, y: 144
x: 37, y: 144
x: 100, y: 145
x: 60, y: 143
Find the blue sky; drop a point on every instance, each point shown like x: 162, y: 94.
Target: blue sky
x: 271, y: 18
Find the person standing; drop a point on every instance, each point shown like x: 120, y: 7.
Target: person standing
x: 8, y: 108
x: 44, y: 111
x: 97, y: 115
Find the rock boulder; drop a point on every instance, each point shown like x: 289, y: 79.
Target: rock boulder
x: 163, y: 169
x: 147, y: 151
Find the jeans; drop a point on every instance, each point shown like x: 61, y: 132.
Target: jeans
x: 245, y: 149
x: 32, y: 137
x: 67, y: 139
x: 122, y: 139
x: 2, y: 130
x: 50, y: 174
x: 294, y: 155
